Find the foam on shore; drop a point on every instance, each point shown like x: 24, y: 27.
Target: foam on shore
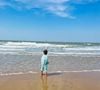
x: 32, y: 72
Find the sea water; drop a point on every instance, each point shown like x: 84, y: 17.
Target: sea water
x: 24, y: 56
x: 21, y: 47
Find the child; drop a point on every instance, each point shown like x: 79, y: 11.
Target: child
x: 44, y: 63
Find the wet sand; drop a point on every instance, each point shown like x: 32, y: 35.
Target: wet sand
x: 54, y: 81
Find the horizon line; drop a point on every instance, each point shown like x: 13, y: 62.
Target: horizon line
x: 47, y: 41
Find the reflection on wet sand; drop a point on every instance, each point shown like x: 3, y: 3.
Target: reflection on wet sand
x: 44, y: 83
x: 66, y: 81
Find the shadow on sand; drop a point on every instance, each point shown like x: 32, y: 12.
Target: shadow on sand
x: 53, y: 74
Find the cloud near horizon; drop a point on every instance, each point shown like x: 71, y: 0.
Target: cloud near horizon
x: 61, y: 8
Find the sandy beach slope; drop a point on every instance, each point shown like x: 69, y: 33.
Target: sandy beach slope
x: 54, y: 81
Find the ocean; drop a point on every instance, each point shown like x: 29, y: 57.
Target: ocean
x: 18, y: 57
x: 64, y: 48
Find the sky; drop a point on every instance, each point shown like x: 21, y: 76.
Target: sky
x: 50, y: 20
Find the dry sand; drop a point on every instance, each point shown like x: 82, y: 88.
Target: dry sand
x: 54, y: 81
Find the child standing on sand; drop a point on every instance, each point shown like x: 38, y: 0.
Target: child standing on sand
x: 44, y: 63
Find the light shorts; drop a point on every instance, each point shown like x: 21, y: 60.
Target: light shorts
x: 44, y: 68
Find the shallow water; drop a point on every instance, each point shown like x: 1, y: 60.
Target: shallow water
x: 26, y: 63
x: 24, y: 57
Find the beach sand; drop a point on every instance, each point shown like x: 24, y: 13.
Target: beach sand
x: 54, y: 81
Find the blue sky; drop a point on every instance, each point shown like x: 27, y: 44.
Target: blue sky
x: 50, y: 20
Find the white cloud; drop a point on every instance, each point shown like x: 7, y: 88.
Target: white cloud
x: 55, y: 1
x: 84, y: 1
x: 2, y: 3
x: 60, y: 8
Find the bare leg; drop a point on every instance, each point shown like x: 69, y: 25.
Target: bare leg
x: 46, y: 74
x: 41, y: 73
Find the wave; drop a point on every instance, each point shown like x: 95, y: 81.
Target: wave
x: 84, y: 48
x: 56, y: 48
x: 11, y: 49
x: 32, y: 72
x: 34, y: 44
x: 17, y: 73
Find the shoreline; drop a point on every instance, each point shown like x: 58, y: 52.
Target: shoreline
x: 34, y: 72
x: 54, y: 81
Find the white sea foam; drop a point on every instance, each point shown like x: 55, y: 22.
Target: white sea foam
x: 73, y: 53
x: 78, y: 71
x: 54, y: 48
x: 18, y: 73
x: 20, y: 43
x: 33, y: 44
x: 83, y: 48
x: 32, y: 72
x: 50, y: 53
x: 11, y: 49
